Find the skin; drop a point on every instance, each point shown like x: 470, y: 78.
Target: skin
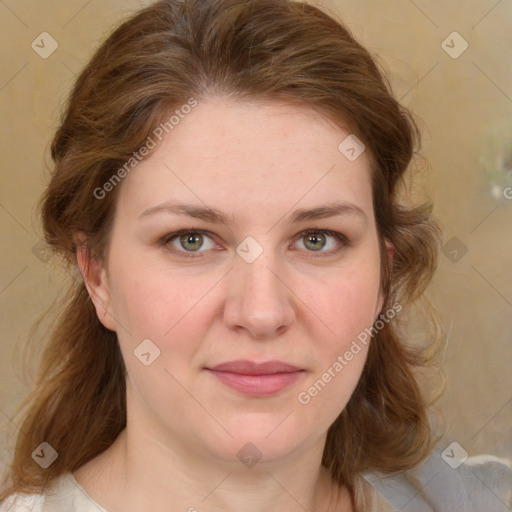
x: 258, y: 162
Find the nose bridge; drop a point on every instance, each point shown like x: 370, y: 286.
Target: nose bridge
x: 259, y: 302
x: 259, y: 281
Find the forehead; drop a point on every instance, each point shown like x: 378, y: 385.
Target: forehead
x: 250, y: 156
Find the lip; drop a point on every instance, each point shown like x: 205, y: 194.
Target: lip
x: 256, y: 379
x: 251, y: 368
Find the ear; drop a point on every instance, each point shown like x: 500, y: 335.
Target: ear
x: 95, y: 279
x: 390, y: 252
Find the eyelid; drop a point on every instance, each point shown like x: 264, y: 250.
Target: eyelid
x: 344, y: 241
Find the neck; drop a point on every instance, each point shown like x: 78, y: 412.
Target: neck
x: 139, y: 473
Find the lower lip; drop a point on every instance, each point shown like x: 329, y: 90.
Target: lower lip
x: 257, y: 385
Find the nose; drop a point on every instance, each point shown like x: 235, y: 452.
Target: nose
x: 259, y: 300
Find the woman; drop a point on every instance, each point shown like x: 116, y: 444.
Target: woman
x: 227, y: 180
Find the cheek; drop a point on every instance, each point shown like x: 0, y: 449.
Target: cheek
x: 343, y: 305
x: 146, y: 305
x: 173, y: 311
x: 346, y: 307
x: 338, y: 359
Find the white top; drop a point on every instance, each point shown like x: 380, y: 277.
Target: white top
x: 442, y: 483
x: 480, y: 484
x: 64, y: 495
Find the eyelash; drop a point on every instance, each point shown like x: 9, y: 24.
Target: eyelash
x: 192, y: 254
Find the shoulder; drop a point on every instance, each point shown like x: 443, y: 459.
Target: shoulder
x: 63, y: 495
x: 443, y: 482
x: 23, y: 503
x: 488, y: 481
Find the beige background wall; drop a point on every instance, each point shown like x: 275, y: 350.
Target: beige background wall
x: 464, y: 106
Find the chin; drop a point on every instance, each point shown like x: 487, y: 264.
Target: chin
x: 256, y: 441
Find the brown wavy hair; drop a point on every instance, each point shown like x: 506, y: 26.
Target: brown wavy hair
x: 150, y: 65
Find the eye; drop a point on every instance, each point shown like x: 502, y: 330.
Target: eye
x: 187, y: 241
x: 316, y: 239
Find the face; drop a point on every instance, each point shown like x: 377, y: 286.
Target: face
x: 247, y: 318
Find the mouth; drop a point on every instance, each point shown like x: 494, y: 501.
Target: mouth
x: 257, y: 379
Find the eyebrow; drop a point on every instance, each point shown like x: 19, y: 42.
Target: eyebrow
x: 218, y: 217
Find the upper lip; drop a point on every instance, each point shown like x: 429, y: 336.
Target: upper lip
x: 251, y: 368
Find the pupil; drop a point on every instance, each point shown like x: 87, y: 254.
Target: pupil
x: 192, y: 239
x: 314, y: 239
